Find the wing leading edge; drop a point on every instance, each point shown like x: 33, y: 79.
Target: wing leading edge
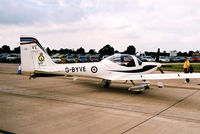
x: 157, y: 76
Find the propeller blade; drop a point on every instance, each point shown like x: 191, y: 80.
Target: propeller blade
x: 158, y: 55
x: 161, y: 70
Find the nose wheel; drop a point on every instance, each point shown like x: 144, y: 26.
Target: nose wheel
x: 140, y: 87
x: 147, y: 87
x: 136, y: 89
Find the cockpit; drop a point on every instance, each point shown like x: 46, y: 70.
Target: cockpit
x: 125, y: 60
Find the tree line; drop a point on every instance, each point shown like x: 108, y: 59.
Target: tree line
x: 105, y: 50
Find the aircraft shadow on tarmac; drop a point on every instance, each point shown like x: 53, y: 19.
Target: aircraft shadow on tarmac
x: 154, y: 92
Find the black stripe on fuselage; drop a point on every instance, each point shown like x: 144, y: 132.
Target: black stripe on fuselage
x: 145, y: 68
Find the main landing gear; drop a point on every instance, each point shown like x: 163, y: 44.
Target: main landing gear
x: 105, y: 83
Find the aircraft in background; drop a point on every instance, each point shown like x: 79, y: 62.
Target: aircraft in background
x: 34, y: 58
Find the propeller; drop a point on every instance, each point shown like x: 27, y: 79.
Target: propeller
x: 157, y: 55
x: 160, y: 70
x: 157, y: 60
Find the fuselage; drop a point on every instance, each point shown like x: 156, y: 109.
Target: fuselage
x: 111, y: 67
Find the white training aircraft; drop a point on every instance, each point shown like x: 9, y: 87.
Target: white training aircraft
x: 35, y: 59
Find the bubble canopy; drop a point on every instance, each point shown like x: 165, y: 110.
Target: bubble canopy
x: 125, y: 60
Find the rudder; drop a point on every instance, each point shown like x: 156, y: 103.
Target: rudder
x: 33, y: 55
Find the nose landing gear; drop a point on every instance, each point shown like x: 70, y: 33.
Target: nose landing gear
x: 140, y: 87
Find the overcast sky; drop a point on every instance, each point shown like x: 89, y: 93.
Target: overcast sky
x: 91, y: 24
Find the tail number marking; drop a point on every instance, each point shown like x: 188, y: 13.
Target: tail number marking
x: 75, y: 69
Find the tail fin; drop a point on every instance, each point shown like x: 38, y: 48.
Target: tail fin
x: 33, y: 55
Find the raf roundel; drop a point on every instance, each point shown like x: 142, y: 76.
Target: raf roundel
x: 94, y: 69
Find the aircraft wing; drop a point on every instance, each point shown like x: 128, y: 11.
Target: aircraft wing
x: 157, y: 76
